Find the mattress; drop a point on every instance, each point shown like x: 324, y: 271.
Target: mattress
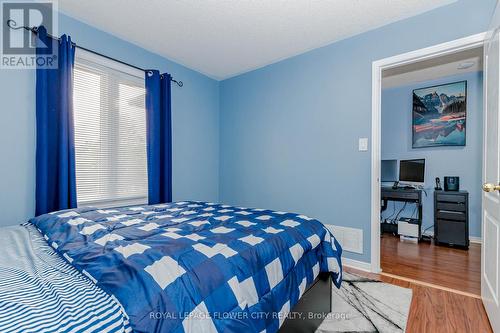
x: 195, y: 266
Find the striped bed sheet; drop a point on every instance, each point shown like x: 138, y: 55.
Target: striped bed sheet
x: 40, y: 292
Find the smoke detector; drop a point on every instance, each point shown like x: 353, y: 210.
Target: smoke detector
x: 466, y: 64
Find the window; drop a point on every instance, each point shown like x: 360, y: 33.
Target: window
x: 110, y: 132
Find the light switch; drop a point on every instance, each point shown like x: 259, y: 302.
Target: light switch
x: 363, y: 144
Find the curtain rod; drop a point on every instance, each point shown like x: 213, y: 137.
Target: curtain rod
x: 13, y: 25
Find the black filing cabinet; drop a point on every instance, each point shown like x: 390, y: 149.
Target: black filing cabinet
x: 451, y: 218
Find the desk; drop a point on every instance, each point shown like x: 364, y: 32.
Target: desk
x: 401, y: 195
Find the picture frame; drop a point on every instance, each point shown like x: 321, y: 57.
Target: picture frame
x: 439, y: 115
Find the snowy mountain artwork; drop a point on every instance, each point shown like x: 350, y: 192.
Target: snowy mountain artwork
x: 439, y: 115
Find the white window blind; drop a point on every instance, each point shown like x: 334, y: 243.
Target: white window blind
x: 110, y: 132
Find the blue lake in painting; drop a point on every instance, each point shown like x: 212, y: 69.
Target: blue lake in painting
x: 439, y: 115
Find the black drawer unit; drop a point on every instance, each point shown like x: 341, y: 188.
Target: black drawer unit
x: 451, y: 218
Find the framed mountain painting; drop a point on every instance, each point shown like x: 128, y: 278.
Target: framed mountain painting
x: 439, y: 115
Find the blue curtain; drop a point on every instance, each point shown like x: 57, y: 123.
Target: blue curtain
x: 55, y: 147
x: 159, y: 136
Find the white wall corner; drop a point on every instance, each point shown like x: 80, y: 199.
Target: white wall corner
x: 477, y: 240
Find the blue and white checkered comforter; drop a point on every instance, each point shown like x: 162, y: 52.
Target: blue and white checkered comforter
x: 196, y: 267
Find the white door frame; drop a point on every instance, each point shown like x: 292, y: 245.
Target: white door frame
x: 377, y: 67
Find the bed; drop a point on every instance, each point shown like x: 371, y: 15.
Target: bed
x: 195, y: 266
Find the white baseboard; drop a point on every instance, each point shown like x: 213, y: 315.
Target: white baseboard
x: 477, y: 240
x: 361, y: 265
x: 472, y: 239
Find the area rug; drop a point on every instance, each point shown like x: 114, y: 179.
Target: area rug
x: 366, y: 305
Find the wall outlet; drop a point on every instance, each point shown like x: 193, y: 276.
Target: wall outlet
x: 351, y: 239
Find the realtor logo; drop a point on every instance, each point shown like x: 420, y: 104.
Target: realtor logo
x: 19, y: 43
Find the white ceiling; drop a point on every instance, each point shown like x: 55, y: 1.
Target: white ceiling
x: 433, y: 69
x: 223, y: 38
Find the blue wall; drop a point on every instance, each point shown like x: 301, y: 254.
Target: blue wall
x: 286, y: 134
x: 289, y: 131
x: 465, y: 162
x: 195, y: 116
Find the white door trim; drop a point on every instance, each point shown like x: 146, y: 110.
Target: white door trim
x: 377, y: 67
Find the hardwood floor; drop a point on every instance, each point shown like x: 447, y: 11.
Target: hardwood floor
x: 436, y: 310
x: 444, y: 266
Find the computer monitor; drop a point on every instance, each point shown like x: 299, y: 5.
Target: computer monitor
x: 412, y: 171
x: 389, y: 171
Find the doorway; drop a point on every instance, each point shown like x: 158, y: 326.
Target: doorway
x: 422, y: 261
